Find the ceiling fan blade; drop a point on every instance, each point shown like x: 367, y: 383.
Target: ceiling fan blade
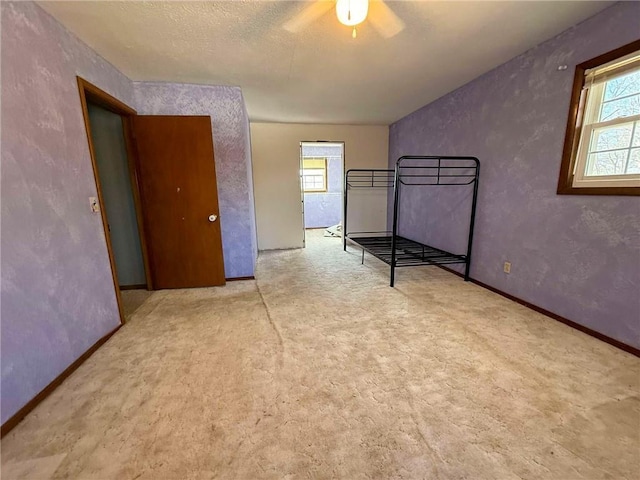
x: 384, y: 20
x: 308, y: 15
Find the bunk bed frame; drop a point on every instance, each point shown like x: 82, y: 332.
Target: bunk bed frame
x: 411, y: 170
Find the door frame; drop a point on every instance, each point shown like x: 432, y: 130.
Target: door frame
x: 344, y: 166
x: 90, y: 93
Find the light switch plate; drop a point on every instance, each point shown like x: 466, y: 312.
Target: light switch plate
x: 95, y: 206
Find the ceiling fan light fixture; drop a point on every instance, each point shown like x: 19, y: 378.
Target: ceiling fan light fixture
x: 352, y: 12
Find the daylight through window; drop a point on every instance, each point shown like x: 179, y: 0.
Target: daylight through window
x: 314, y: 174
x: 610, y: 140
x: 605, y: 148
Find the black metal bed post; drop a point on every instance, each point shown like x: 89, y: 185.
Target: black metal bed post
x: 344, y: 226
x: 394, y: 233
x: 472, y: 222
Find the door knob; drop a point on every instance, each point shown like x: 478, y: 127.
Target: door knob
x: 213, y: 218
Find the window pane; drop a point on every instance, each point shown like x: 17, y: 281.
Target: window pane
x: 634, y: 161
x: 624, y: 107
x: 622, y: 86
x: 313, y: 182
x: 606, y: 163
x: 609, y: 138
x: 636, y: 136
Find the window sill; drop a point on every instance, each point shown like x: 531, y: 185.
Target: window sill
x: 613, y: 191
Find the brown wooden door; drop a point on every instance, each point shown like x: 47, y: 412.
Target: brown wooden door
x: 177, y: 181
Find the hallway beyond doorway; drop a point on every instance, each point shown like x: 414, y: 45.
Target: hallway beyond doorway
x: 322, y: 171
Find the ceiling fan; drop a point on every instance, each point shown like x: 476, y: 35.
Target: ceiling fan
x: 350, y: 13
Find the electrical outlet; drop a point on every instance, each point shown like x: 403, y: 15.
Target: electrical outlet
x: 507, y: 267
x: 95, y: 206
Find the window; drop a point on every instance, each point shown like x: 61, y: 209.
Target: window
x: 602, y: 145
x: 314, y: 174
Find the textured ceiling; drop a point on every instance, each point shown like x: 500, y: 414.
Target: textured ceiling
x: 321, y: 74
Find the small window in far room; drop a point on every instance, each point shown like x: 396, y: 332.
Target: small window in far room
x: 602, y: 144
x: 314, y: 174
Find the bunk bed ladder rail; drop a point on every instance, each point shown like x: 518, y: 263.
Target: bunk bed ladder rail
x: 394, y: 234
x: 472, y: 221
x: 345, y: 196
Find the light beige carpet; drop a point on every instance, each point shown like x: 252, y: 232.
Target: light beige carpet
x: 320, y: 370
x: 132, y: 300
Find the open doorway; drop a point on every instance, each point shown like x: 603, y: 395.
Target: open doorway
x: 167, y: 173
x: 107, y: 123
x: 115, y: 173
x: 321, y: 180
x: 120, y: 209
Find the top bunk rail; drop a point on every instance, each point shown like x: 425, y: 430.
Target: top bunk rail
x: 417, y: 170
x: 370, y: 178
x: 421, y: 170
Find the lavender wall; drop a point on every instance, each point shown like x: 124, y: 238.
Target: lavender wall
x: 57, y: 295
x: 325, y: 209
x: 248, y: 159
x: 577, y: 256
x: 230, y: 128
x: 56, y: 290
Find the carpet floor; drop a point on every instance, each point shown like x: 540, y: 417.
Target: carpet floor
x: 319, y: 370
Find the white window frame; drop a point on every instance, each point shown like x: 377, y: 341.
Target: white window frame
x: 591, y: 102
x: 315, y: 172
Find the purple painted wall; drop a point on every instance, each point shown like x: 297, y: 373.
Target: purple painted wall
x: 230, y: 128
x: 325, y: 209
x: 57, y: 293
x: 248, y: 160
x: 577, y: 256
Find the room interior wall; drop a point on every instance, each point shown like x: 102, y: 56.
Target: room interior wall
x: 57, y: 296
x: 57, y: 292
x: 252, y: 201
x: 276, y: 174
x: 229, y: 124
x: 576, y: 256
x: 324, y: 209
x: 110, y: 151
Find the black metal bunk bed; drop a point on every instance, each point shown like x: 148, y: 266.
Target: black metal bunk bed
x: 412, y: 170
